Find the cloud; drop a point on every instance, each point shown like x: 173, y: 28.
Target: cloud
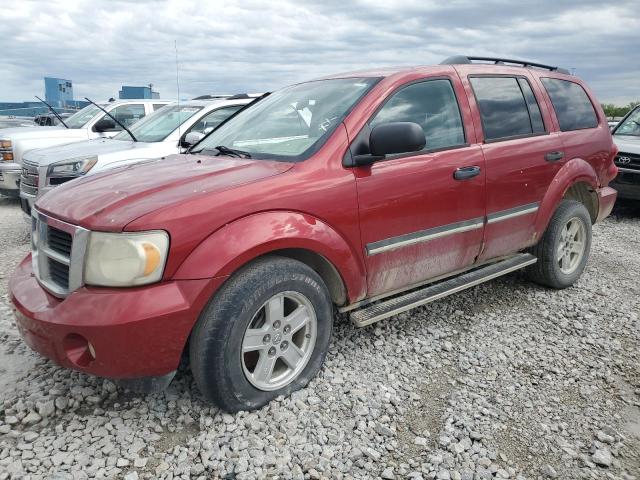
x: 256, y: 46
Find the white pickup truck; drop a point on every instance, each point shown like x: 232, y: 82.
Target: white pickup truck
x: 90, y: 122
x: 170, y: 130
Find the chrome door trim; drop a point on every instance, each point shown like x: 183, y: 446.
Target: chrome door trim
x: 512, y: 213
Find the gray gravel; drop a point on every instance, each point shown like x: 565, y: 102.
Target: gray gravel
x: 507, y: 380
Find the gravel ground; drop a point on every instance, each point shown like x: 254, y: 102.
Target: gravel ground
x: 507, y: 380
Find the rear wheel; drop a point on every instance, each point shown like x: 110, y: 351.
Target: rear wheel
x: 264, y: 334
x: 564, y: 248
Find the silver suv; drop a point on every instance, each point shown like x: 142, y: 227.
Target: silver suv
x: 90, y: 122
x: 627, y: 138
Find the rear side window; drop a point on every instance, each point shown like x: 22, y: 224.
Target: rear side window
x: 571, y: 103
x: 507, y: 106
x: 432, y: 105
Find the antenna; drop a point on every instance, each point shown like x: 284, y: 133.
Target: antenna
x: 175, y: 43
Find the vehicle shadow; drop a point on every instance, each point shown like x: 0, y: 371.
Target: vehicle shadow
x: 626, y: 209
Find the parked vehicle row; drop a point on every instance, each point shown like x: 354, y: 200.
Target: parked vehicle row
x: 370, y: 193
x: 90, y: 122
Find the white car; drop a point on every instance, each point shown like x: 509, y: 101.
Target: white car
x: 90, y: 122
x: 170, y: 130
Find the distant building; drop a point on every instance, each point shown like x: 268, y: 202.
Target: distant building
x: 58, y: 92
x: 129, y: 92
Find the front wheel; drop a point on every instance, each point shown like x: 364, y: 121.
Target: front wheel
x: 564, y: 248
x: 265, y: 333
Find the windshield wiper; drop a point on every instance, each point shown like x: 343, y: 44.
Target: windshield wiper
x: 232, y: 152
x: 114, y: 119
x: 53, y: 111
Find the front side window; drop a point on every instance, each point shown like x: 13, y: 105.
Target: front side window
x: 293, y: 123
x: 571, y: 103
x: 158, y: 106
x: 84, y: 116
x: 630, y: 126
x: 431, y: 104
x: 503, y: 108
x: 158, y: 125
x: 209, y: 122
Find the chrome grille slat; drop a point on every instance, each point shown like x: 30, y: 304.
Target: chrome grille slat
x: 29, y: 178
x: 58, y: 250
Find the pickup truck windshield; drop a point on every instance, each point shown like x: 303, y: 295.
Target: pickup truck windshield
x: 159, y: 125
x: 290, y: 124
x: 81, y: 118
x: 631, y: 126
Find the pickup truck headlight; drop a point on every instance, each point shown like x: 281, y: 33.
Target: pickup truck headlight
x: 6, y: 150
x: 71, y: 168
x: 125, y: 259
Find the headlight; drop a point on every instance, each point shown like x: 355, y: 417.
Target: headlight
x: 6, y: 150
x: 72, y: 168
x: 125, y: 259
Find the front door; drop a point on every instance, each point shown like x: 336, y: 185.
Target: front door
x: 422, y: 214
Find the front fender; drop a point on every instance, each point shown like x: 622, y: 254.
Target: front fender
x: 247, y: 238
x: 574, y: 171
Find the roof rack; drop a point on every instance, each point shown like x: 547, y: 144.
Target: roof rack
x: 462, y: 60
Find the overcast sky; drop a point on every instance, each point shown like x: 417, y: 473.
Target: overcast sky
x: 254, y: 46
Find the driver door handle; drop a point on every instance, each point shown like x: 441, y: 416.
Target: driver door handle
x: 464, y: 173
x: 554, y: 156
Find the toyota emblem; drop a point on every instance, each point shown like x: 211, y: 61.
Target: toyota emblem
x: 624, y: 160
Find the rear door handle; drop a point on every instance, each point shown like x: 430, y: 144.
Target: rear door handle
x: 554, y: 156
x: 464, y: 173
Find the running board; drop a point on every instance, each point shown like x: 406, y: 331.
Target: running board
x: 402, y: 303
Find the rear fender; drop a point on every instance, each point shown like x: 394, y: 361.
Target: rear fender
x: 574, y: 171
x: 245, y: 239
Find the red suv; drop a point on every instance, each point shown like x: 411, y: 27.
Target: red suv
x: 371, y: 192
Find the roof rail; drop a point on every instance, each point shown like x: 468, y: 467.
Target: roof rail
x: 462, y: 60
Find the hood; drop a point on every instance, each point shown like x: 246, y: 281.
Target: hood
x: 627, y: 143
x: 109, y: 201
x: 25, y: 133
x: 100, y: 147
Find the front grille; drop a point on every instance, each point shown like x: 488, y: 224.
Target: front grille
x: 59, y: 241
x: 58, y: 250
x: 630, y: 161
x: 29, y: 178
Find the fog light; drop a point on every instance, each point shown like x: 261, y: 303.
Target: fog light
x: 78, y: 350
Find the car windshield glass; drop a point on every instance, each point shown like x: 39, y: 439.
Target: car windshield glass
x: 158, y: 125
x: 81, y: 118
x: 290, y: 124
x: 631, y: 125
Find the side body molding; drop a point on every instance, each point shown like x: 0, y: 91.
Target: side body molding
x: 247, y: 238
x: 574, y: 171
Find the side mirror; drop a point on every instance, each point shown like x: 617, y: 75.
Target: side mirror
x: 104, y: 125
x: 390, y: 138
x: 191, y: 139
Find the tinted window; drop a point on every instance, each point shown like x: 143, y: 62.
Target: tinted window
x: 126, y: 114
x: 432, y: 105
x: 502, y: 106
x: 537, y: 125
x: 158, y: 106
x: 215, y: 118
x: 571, y: 103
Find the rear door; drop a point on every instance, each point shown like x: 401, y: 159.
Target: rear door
x: 522, y: 156
x: 419, y: 221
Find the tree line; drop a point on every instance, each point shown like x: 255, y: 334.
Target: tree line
x: 612, y: 110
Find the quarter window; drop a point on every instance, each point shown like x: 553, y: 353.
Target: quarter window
x: 571, y: 103
x: 503, y: 108
x: 432, y: 105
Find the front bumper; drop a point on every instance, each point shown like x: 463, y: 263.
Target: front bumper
x: 122, y: 333
x: 10, y: 179
x: 627, y: 183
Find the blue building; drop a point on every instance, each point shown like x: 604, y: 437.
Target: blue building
x: 58, y: 92
x: 129, y: 92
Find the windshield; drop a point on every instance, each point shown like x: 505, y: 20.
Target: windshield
x: 631, y: 125
x: 159, y: 125
x: 81, y: 118
x: 292, y: 123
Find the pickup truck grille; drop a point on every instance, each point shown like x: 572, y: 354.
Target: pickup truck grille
x: 629, y: 161
x: 29, y: 178
x: 58, y: 250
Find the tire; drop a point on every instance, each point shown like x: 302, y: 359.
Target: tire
x: 243, y: 315
x: 554, y: 271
